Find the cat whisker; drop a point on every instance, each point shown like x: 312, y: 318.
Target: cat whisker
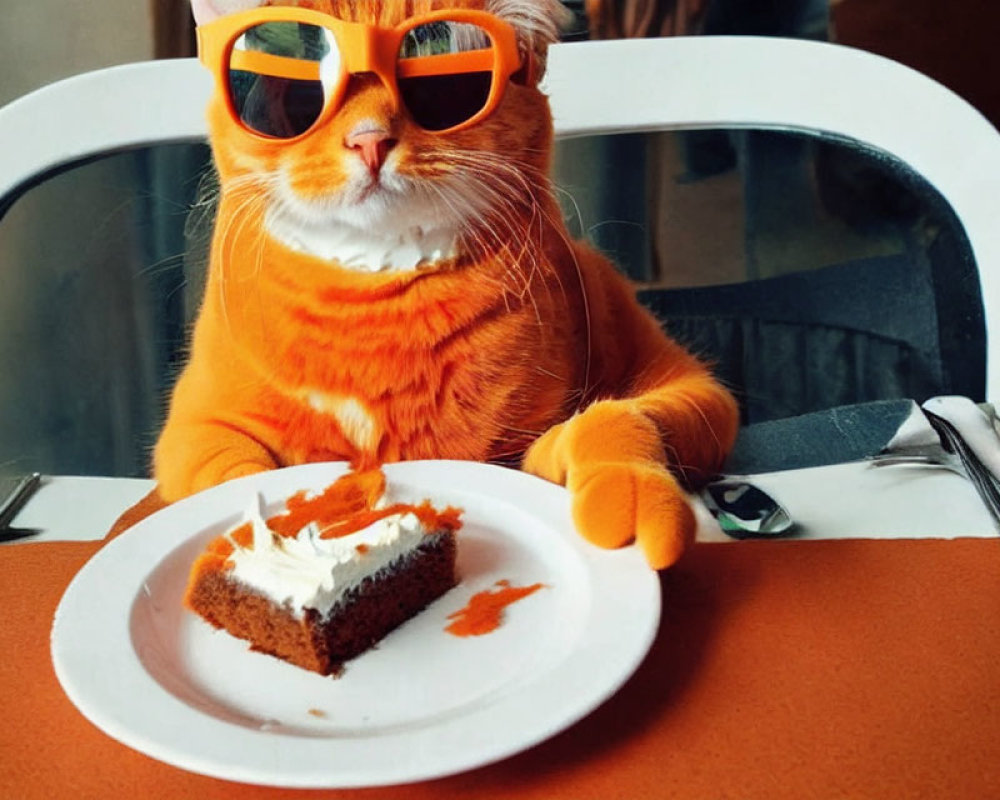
x: 512, y: 187
x: 504, y: 204
x: 248, y: 210
x: 542, y: 370
x: 572, y: 200
x: 165, y: 264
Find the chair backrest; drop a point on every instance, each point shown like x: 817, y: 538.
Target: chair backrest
x: 98, y: 174
x: 830, y: 91
x: 595, y: 88
x: 91, y: 115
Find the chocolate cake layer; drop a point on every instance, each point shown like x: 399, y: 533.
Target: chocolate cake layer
x: 363, y: 617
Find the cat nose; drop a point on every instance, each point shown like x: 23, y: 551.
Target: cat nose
x: 372, y: 146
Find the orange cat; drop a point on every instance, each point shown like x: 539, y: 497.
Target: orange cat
x: 381, y: 290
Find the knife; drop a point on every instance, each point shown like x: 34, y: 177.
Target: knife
x: 15, y: 499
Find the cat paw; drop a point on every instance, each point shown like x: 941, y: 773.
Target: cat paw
x: 608, y: 431
x: 612, y: 460
x: 614, y: 504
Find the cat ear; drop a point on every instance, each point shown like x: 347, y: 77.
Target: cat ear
x: 538, y: 24
x: 207, y: 10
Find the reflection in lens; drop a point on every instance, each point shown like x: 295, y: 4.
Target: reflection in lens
x: 445, y: 72
x: 280, y: 75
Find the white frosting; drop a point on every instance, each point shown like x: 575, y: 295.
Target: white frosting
x: 308, y: 571
x: 364, y: 250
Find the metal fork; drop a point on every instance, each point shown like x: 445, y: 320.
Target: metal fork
x: 916, y: 442
x: 982, y: 479
x: 921, y: 455
x: 951, y: 453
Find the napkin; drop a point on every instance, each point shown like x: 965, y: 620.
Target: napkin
x: 851, y: 433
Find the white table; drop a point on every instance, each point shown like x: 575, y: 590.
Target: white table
x: 832, y: 502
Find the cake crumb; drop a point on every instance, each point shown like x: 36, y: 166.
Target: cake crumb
x: 317, y: 712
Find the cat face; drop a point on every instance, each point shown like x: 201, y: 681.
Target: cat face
x: 372, y: 190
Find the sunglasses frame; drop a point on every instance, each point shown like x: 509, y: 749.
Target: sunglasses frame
x: 363, y: 49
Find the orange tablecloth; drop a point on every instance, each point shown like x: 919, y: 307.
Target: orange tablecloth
x: 860, y: 669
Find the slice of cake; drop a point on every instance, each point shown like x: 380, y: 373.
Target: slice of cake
x: 327, y: 579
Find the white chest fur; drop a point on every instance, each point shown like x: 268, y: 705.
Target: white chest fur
x: 364, y: 250
x: 355, y: 421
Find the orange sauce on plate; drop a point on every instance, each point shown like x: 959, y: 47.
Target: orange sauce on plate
x: 484, y: 611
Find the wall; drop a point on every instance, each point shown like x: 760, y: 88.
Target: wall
x: 44, y: 40
x: 952, y: 42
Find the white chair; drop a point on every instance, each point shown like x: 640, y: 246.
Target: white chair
x: 596, y: 88
x: 804, y: 86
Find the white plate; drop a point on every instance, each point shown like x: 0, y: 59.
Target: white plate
x: 422, y: 704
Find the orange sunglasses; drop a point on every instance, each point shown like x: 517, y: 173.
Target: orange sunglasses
x: 284, y: 70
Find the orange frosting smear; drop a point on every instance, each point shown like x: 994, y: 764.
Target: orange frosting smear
x: 484, y: 611
x: 219, y: 546
x: 348, y: 506
x: 215, y: 557
x: 243, y: 535
x: 431, y: 519
x: 351, y: 494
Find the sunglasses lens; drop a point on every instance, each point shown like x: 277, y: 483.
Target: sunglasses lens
x: 445, y: 73
x: 280, y: 75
